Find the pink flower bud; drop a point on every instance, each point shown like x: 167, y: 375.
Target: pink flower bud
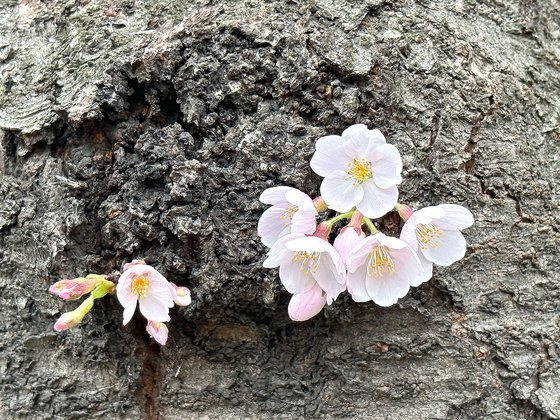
x: 71, y: 289
x: 71, y: 319
x: 404, y: 211
x: 323, y: 231
x: 346, y: 240
x: 158, y: 331
x: 183, y: 295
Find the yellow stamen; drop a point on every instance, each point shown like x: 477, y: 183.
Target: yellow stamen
x: 359, y: 170
x: 427, y: 235
x: 140, y: 286
x: 380, y: 262
x: 309, y: 261
x: 288, y: 214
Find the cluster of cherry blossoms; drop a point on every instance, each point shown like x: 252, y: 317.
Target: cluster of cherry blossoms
x: 139, y: 285
x: 361, y: 173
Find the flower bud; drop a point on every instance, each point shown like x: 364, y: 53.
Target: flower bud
x: 404, y: 211
x: 346, y: 240
x: 320, y: 204
x: 71, y: 319
x: 183, y: 295
x: 71, y: 289
x: 158, y: 331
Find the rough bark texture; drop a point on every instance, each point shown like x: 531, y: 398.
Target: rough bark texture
x: 148, y: 129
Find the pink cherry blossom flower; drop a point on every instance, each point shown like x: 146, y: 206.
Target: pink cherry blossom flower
x: 346, y: 240
x: 382, y: 269
x: 306, y: 305
x: 292, y: 211
x: 71, y: 289
x: 360, y: 170
x: 158, y: 331
x: 306, y: 261
x: 144, y: 285
x: 183, y: 295
x: 435, y: 233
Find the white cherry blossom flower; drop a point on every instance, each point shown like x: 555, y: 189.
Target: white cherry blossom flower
x: 381, y: 269
x: 292, y: 211
x: 434, y: 232
x: 307, y: 261
x: 360, y: 170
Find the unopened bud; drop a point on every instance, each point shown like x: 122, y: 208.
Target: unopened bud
x: 71, y: 319
x: 158, y: 331
x: 183, y: 295
x: 71, y: 289
x: 404, y: 211
x: 323, y: 230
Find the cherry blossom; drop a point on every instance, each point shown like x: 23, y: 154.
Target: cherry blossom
x: 72, y: 289
x: 360, y: 169
x: 381, y: 269
x: 182, y: 295
x: 292, y: 211
x: 158, y: 331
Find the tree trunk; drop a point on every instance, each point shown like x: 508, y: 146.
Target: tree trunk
x: 135, y: 129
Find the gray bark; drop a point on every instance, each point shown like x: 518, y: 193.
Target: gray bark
x: 148, y: 129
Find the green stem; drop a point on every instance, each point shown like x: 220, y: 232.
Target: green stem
x: 373, y: 230
x: 340, y: 217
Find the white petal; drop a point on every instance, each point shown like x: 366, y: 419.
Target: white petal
x: 297, y: 197
x: 304, y: 221
x: 387, y: 289
x: 357, y: 284
x: 451, y: 247
x: 271, y: 226
x: 304, y: 306
x: 329, y: 144
x: 359, y: 141
x: 328, y: 277
x: 341, y: 194
x: 154, y: 309
x: 390, y: 241
x: 386, y: 166
x: 426, y: 275
x: 279, y: 252
x: 407, y: 265
x: 456, y: 217
x: 275, y: 195
x: 377, y: 202
x: 408, y: 234
x: 427, y: 214
x: 360, y: 252
x: 330, y: 163
x: 129, y: 312
x: 346, y: 241
x: 294, y: 279
x: 308, y: 244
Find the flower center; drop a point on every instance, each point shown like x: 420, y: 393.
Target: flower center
x: 380, y: 262
x: 309, y: 261
x: 288, y: 214
x: 140, y: 286
x: 427, y: 235
x: 359, y: 170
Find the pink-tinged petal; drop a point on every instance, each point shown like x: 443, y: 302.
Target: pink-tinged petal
x: 346, y: 241
x: 341, y: 194
x: 427, y: 272
x: 304, y: 221
x: 296, y: 197
x: 456, y: 217
x: 275, y: 195
x: 304, y: 306
x: 386, y: 166
x: 154, y: 309
x: 162, y: 291
x: 451, y: 247
x: 308, y: 244
x: 377, y: 202
x: 328, y: 164
x: 408, y: 234
x: 329, y: 278
x: 272, y: 226
x: 407, y: 265
x: 182, y: 295
x: 279, y: 252
x: 357, y: 284
x: 294, y: 279
x: 359, y: 141
x: 361, y: 251
x: 158, y: 331
x: 387, y: 289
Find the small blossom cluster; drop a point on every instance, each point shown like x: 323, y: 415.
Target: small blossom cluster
x: 360, y: 176
x: 139, y: 285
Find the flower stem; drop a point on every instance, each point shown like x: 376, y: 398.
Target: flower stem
x: 340, y: 217
x: 373, y: 230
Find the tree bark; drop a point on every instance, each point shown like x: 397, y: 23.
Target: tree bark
x: 134, y: 129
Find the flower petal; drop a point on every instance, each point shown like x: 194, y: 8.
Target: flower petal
x: 456, y: 217
x: 154, y: 309
x: 407, y: 265
x: 279, y: 252
x: 304, y: 221
x: 427, y: 272
x: 451, y: 247
x: 329, y: 278
x: 360, y: 252
x: 304, y: 306
x: 346, y: 241
x: 329, y: 159
x: 308, y: 244
x: 359, y: 141
x: 408, y: 234
x: 357, y: 284
x: 275, y: 195
x: 271, y: 226
x: 376, y: 202
x: 341, y: 194
x: 386, y: 166
x: 129, y: 312
x: 387, y: 289
x: 294, y: 279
